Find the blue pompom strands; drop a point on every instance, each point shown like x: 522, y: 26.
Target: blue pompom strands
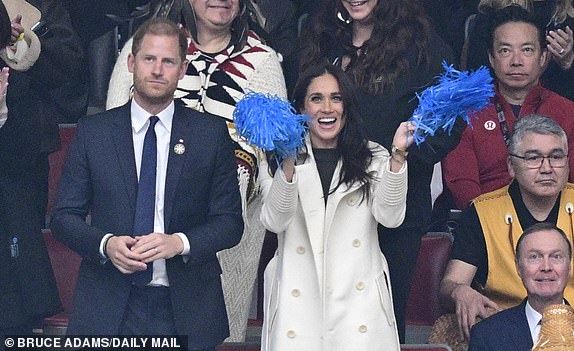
x: 270, y: 123
x: 456, y: 94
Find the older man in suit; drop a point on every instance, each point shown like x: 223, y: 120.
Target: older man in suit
x: 543, y: 262
x: 151, y: 269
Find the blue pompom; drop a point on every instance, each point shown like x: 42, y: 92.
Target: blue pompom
x: 457, y: 94
x: 270, y: 123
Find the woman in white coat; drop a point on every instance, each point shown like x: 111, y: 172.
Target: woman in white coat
x: 327, y: 288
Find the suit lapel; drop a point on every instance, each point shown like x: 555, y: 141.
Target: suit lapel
x: 518, y: 330
x: 180, y: 134
x: 121, y: 134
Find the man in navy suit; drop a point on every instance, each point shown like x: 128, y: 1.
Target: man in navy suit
x: 543, y: 261
x: 197, y: 210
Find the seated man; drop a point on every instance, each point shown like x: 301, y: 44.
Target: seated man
x: 484, y: 245
x: 543, y: 258
x: 518, y: 57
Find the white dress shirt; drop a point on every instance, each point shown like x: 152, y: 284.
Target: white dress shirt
x: 140, y: 124
x: 533, y: 318
x: 534, y: 321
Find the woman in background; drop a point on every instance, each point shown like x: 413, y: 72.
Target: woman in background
x: 328, y: 287
x: 41, y: 66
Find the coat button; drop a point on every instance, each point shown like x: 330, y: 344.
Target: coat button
x: 300, y: 250
x: 295, y: 292
x: 362, y: 329
x: 291, y: 334
x: 356, y: 243
x: 351, y: 201
x: 360, y: 286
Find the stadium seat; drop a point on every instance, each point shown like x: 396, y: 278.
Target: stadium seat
x: 57, y: 159
x: 65, y: 264
x: 423, y: 307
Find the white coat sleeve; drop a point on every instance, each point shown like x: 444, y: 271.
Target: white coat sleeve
x: 279, y: 199
x: 268, y: 77
x: 389, y: 191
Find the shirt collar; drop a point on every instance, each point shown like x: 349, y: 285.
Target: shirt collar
x: 532, y: 316
x: 140, y: 117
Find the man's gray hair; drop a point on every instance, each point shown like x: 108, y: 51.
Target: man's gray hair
x: 536, y: 124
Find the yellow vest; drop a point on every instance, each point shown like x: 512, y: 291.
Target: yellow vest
x: 499, y: 221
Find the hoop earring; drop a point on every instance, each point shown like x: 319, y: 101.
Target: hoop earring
x: 342, y: 19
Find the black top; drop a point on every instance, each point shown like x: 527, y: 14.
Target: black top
x: 469, y: 244
x: 383, y: 113
x: 43, y: 95
x: 326, y: 160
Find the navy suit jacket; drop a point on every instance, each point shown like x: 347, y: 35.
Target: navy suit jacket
x: 507, y: 330
x: 201, y: 200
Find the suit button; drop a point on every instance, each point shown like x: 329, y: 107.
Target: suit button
x: 300, y: 250
x: 356, y: 243
x: 291, y: 334
x: 360, y: 286
x: 362, y: 329
x: 295, y: 292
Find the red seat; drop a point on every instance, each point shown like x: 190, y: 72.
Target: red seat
x: 65, y: 264
x: 423, y: 306
x: 67, y: 133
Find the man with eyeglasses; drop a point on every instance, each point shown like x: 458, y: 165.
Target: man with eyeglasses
x: 485, y: 242
x: 518, y: 57
x: 543, y: 262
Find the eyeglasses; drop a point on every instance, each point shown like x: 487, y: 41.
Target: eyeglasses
x: 536, y: 161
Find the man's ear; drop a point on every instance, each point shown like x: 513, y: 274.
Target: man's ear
x: 510, y: 166
x: 184, y: 65
x: 517, y: 266
x: 545, y: 58
x: 490, y: 58
x: 131, y: 62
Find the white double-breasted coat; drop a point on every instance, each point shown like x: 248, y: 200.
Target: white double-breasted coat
x: 328, y: 286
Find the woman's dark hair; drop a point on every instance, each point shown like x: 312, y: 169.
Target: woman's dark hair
x: 401, y: 31
x: 352, y: 142
x: 5, y: 28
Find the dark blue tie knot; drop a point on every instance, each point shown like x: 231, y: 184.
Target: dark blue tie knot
x: 152, y: 121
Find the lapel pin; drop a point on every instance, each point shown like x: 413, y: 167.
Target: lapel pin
x: 179, y: 148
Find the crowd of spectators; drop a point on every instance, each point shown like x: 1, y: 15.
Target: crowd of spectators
x: 390, y: 50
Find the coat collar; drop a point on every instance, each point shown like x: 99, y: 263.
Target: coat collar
x: 517, y: 329
x: 318, y: 216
